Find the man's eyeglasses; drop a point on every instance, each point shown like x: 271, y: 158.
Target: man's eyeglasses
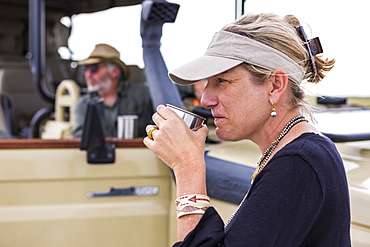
x: 94, y: 68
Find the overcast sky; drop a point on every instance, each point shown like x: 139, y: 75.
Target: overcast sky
x: 341, y: 25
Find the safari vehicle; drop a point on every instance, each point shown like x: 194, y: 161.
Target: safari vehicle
x: 116, y: 192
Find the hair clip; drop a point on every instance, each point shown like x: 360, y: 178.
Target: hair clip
x: 313, y: 46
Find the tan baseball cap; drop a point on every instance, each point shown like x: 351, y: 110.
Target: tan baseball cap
x: 228, y: 50
x: 106, y: 53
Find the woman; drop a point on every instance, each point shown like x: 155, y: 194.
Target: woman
x: 299, y: 194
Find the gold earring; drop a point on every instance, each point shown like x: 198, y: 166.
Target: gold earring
x: 273, y: 111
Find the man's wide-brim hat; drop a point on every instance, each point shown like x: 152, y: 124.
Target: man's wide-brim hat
x: 106, y: 53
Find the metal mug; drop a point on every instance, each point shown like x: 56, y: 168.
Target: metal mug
x: 127, y: 126
x: 193, y: 121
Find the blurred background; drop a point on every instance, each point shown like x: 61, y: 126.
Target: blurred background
x: 341, y: 25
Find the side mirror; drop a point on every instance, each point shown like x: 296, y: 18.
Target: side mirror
x: 93, y: 137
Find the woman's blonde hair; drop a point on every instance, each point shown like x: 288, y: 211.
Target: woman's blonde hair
x: 281, y: 34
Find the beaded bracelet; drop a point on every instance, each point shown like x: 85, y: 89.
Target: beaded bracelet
x: 192, y: 204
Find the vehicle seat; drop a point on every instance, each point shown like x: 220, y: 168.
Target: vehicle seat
x: 66, y: 97
x: 17, y: 85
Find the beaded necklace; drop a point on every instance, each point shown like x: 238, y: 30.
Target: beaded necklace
x: 266, y: 155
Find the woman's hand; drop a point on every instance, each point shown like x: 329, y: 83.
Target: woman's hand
x: 174, y: 142
x: 182, y: 149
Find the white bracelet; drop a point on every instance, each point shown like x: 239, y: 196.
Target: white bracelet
x: 192, y: 198
x: 192, y: 204
x: 191, y: 209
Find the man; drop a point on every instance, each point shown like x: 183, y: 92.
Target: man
x: 105, y: 76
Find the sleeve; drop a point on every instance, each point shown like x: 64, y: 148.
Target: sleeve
x: 209, y: 232
x: 280, y: 210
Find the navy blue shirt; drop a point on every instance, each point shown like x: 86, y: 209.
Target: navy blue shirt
x: 300, y: 199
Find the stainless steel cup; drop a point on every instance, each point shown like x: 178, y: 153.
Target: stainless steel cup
x: 127, y: 126
x: 193, y: 121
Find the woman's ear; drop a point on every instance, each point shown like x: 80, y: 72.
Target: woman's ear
x: 279, y: 84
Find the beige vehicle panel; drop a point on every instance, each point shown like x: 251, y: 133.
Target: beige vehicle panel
x: 44, y: 188
x: 44, y: 199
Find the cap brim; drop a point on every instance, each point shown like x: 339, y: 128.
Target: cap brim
x: 202, y: 68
